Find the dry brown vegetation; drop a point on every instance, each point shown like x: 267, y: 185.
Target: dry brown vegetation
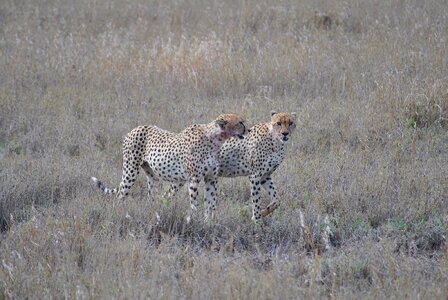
x: 367, y: 78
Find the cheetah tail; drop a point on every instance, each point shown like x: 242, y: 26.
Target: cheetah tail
x: 104, y: 188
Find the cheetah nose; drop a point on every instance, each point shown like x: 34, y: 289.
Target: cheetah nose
x: 285, y: 133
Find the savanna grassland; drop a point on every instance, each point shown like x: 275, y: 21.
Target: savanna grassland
x: 368, y: 161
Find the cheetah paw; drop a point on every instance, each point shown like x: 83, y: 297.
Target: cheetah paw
x: 269, y: 209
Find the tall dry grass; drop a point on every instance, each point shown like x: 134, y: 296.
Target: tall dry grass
x: 367, y: 78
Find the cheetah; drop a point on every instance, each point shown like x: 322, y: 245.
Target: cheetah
x: 189, y: 156
x: 257, y: 156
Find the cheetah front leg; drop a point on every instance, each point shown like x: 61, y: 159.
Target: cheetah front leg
x: 193, y: 192
x: 210, y: 195
x: 269, y: 186
x: 174, y: 188
x: 255, y: 183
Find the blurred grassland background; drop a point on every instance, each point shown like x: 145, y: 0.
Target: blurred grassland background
x: 368, y: 79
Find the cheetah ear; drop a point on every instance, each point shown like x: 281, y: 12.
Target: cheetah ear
x: 273, y: 112
x: 221, y: 123
x: 294, y: 114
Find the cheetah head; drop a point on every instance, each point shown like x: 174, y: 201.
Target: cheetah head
x: 230, y: 125
x: 283, y: 125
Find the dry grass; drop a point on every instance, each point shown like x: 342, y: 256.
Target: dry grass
x: 367, y: 78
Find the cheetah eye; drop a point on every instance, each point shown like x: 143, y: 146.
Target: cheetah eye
x: 291, y: 123
x: 279, y: 123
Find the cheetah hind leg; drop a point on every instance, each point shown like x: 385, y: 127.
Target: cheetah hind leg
x: 150, y: 180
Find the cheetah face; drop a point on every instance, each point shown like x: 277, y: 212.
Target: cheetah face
x: 231, y: 125
x: 283, y: 125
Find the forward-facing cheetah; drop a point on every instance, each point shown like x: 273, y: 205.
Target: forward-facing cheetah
x: 257, y: 156
x: 189, y: 156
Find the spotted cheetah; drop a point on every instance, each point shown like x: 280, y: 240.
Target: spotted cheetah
x: 257, y: 156
x: 189, y: 156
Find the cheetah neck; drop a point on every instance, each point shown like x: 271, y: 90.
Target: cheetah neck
x: 216, y: 136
